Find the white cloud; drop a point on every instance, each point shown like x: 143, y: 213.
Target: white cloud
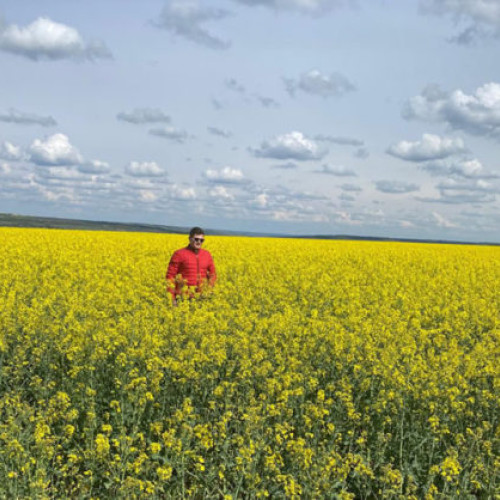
x: 66, y: 194
x: 298, y: 214
x: 143, y: 115
x: 219, y: 132
x: 94, y: 167
x: 345, y: 141
x: 454, y: 198
x: 338, y: 170
x: 469, y: 185
x: 46, y: 39
x: 467, y: 168
x: 396, y: 187
x: 170, y: 133
x: 458, y: 191
x: 477, y: 114
x: 347, y: 197
x: 289, y: 165
x: 406, y: 223
x: 10, y: 152
x: 471, y: 169
x: 361, y: 153
x: 15, y: 183
x: 235, y: 86
x: 55, y: 150
x: 261, y: 200
x: 267, y: 102
x: 291, y: 146
x: 143, y: 182
x: 5, y: 168
x: 280, y: 203
x: 220, y: 192
x: 60, y: 174
x: 353, y: 188
x: 486, y: 11
x: 343, y: 217
x: 20, y: 118
x: 246, y: 96
x: 144, y: 169
x: 181, y: 193
x: 483, y: 16
x: 368, y: 217
x: 441, y: 221
x: 431, y: 147
x: 185, y: 18
x: 226, y: 175
x: 305, y: 6
x: 316, y: 83
x: 148, y: 196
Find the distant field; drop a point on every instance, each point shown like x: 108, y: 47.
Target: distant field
x: 316, y: 369
x: 12, y: 220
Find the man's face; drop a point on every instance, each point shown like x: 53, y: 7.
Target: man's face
x: 196, y: 241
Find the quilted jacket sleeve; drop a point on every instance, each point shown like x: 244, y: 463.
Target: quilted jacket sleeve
x: 173, y: 271
x: 212, y: 275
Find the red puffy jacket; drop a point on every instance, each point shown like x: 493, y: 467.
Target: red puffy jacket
x: 195, y: 269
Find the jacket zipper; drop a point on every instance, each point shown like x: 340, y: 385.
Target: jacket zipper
x: 197, y: 270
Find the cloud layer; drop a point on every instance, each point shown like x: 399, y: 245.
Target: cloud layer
x: 286, y: 131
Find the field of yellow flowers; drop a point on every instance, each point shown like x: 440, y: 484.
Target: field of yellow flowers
x: 316, y: 369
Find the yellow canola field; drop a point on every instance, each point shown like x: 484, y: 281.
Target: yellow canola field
x: 316, y: 369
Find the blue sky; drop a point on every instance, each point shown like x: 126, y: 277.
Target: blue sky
x: 296, y: 116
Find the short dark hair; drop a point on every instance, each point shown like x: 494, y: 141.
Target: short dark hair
x: 196, y: 230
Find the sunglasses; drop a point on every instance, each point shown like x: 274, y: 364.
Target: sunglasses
x: 199, y: 240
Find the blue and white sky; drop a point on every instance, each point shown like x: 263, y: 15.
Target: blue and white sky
x: 376, y: 118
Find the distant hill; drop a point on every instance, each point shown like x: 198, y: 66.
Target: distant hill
x: 15, y: 220
x: 31, y: 221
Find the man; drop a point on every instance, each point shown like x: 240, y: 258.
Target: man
x: 191, y: 269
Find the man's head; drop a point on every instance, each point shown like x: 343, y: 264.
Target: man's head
x: 196, y: 238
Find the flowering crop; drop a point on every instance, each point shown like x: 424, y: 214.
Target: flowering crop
x: 315, y: 369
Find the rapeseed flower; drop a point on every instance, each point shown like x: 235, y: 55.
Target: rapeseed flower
x: 346, y: 370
